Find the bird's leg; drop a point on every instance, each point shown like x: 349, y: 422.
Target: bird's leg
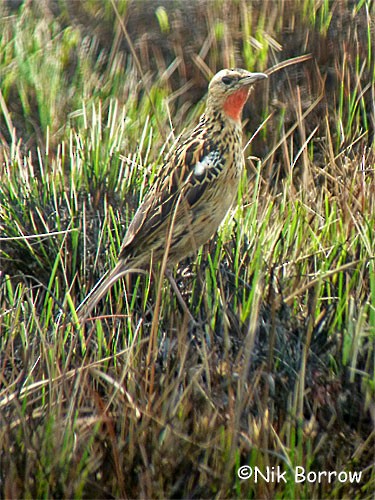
x: 180, y: 299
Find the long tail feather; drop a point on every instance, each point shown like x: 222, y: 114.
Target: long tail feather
x: 85, y: 308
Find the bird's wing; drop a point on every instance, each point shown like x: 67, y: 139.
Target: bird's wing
x: 187, y: 173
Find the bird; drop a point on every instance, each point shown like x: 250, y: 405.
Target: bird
x: 195, y: 188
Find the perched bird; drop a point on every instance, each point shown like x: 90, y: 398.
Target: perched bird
x: 196, y: 187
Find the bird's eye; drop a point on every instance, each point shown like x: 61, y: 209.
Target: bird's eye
x: 227, y: 80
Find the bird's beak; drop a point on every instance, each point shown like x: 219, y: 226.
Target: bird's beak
x: 251, y: 78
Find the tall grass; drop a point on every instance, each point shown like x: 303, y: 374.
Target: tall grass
x: 279, y: 368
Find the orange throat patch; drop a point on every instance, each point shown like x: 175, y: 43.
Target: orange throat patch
x: 234, y: 104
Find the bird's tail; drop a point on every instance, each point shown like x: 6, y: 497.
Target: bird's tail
x: 85, y: 308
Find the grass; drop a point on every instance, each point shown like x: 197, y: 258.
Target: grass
x: 280, y: 370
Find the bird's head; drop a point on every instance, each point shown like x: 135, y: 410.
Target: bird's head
x: 229, y: 90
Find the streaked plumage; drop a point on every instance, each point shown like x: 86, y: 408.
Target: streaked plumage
x: 196, y: 187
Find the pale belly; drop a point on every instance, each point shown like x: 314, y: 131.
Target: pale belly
x: 207, y: 218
